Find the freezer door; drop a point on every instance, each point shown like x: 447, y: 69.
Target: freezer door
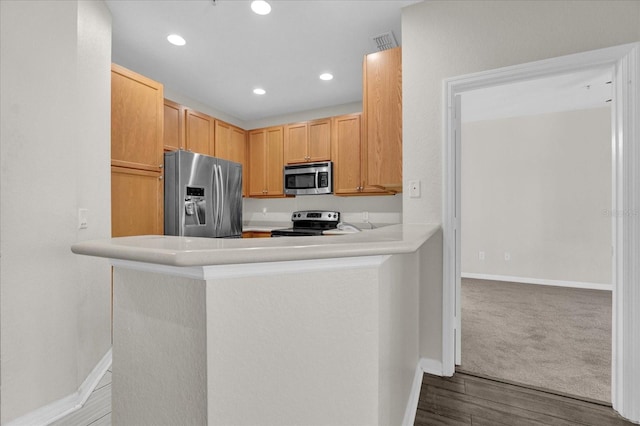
x: 228, y: 209
x: 189, y: 194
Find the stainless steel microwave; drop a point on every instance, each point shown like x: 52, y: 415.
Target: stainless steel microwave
x: 308, y: 178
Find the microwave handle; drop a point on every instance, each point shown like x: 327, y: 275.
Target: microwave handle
x: 317, y: 179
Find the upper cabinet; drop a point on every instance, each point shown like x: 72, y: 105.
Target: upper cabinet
x: 199, y: 132
x: 173, y: 126
x: 137, y: 110
x: 266, y: 162
x: 231, y: 144
x: 309, y: 141
x: 346, y: 150
x: 382, y: 116
x: 348, y: 158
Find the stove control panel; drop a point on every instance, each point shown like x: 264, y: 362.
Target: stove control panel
x: 316, y: 215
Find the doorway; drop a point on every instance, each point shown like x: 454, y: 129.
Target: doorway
x: 625, y: 210
x: 535, y: 181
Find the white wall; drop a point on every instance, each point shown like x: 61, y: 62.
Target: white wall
x: 198, y: 106
x: 55, y: 151
x: 539, y: 188
x: 322, y: 342
x: 313, y: 114
x: 443, y: 39
x: 381, y: 209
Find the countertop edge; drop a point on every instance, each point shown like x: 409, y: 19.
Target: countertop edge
x: 189, y: 252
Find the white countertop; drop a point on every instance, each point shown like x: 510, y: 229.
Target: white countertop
x: 191, y: 251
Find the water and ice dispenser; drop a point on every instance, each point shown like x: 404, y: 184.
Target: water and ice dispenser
x: 195, y: 206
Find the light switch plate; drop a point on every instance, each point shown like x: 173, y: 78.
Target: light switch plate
x: 83, y: 218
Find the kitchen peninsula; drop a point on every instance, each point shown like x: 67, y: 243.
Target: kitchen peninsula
x: 305, y: 330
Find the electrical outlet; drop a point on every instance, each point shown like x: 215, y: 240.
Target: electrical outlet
x: 480, y: 255
x: 507, y: 255
x: 414, y: 189
x: 365, y: 216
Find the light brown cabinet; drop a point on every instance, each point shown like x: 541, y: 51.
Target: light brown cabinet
x: 231, y: 144
x: 136, y: 202
x: 199, y: 132
x: 308, y: 141
x: 137, y: 127
x: 136, y: 120
x: 348, y: 161
x: 173, y: 126
x: 266, y: 162
x: 382, y: 119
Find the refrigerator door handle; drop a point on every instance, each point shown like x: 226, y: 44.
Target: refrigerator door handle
x: 222, y: 197
x: 216, y: 188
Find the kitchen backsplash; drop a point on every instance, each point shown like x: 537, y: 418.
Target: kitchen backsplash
x: 379, y: 209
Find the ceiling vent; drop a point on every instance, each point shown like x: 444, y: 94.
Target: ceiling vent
x: 385, y: 41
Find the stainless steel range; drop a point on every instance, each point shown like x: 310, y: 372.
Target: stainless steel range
x: 309, y: 223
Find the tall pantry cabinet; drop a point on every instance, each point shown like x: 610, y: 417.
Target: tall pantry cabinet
x: 382, y: 120
x: 137, y: 110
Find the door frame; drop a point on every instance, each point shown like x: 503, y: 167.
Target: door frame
x: 624, y: 60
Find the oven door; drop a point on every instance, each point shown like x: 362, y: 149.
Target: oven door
x: 296, y: 232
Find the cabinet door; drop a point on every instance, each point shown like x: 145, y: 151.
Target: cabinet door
x: 137, y: 110
x: 275, y: 162
x: 295, y: 143
x: 173, y: 126
x: 346, y: 154
x: 239, y: 143
x: 382, y: 109
x: 257, y: 163
x: 231, y: 144
x: 136, y: 202
x: 200, y: 130
x: 319, y: 146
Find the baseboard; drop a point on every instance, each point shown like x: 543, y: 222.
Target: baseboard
x: 67, y: 405
x: 425, y: 365
x: 414, y: 397
x: 431, y: 366
x: 539, y: 281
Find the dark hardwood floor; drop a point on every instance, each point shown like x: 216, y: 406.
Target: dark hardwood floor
x: 465, y: 399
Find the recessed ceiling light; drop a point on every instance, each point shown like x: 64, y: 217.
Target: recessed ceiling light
x: 176, y: 39
x: 326, y: 76
x: 259, y: 91
x: 261, y: 7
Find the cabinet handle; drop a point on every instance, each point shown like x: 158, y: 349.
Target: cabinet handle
x: 161, y: 166
x: 160, y: 177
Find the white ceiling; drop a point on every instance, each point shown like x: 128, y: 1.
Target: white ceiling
x: 564, y: 92
x: 230, y: 50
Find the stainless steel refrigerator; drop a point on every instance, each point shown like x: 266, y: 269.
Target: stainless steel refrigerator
x: 202, y: 196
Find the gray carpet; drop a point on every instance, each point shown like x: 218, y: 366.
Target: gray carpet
x: 548, y: 337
